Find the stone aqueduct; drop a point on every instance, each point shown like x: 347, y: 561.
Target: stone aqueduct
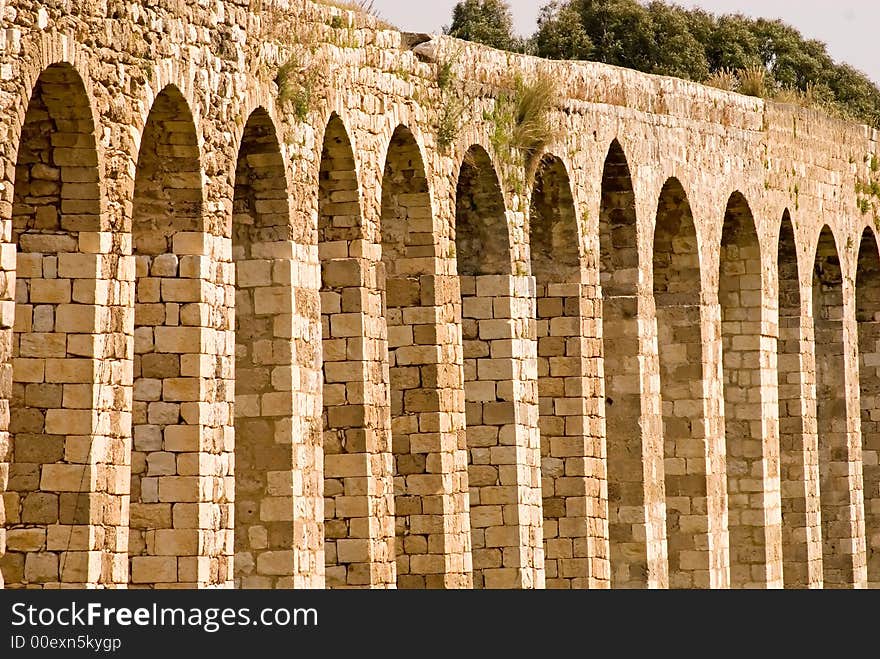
x: 249, y: 346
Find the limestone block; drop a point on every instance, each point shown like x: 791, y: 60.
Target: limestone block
x: 153, y: 569
x: 26, y: 540
x: 41, y: 567
x: 275, y: 563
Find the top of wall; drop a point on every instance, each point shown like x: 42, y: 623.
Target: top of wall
x: 595, y: 82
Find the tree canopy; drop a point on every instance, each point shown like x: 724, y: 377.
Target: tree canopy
x: 666, y: 39
x: 485, y: 21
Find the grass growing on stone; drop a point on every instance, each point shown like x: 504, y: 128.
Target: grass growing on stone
x: 867, y: 189
x: 534, y: 101
x: 450, y: 121
x: 453, y: 106
x: 295, y: 87
x: 724, y: 79
x: 521, y: 118
x: 753, y: 81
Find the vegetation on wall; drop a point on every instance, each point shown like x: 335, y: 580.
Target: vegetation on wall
x: 761, y: 57
x: 521, y: 118
x: 302, y: 76
x: 452, y: 107
x: 296, y: 85
x: 868, y: 189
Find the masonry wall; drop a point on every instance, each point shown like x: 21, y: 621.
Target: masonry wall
x: 278, y: 309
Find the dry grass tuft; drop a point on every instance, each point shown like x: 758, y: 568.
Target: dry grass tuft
x: 723, y: 79
x: 531, y: 129
x: 753, y: 81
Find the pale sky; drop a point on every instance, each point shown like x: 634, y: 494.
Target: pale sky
x: 848, y: 27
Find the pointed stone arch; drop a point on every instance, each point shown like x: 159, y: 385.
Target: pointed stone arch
x: 554, y: 239
x: 837, y: 512
x: 751, y: 458
x: 482, y: 255
x: 166, y: 539
x: 429, y: 495
x: 801, y: 544
x: 358, y: 468
x: 567, y: 456
x: 501, y: 431
x: 635, y: 464
x: 678, y: 303
x: 264, y: 467
x: 868, y: 319
x: 58, y: 493
x: 482, y: 239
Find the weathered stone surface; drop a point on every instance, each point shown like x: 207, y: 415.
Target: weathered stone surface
x: 244, y: 345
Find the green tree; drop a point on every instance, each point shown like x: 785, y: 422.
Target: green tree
x: 854, y: 92
x: 676, y: 51
x: 487, y: 22
x: 732, y: 44
x: 700, y: 23
x: 656, y: 38
x: 621, y: 31
x: 793, y: 60
x: 561, y: 34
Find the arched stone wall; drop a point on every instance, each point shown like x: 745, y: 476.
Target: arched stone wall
x: 166, y: 221
x: 676, y: 274
x: 868, y: 316
x: 801, y: 541
x: 748, y: 460
x: 263, y: 532
x: 203, y: 249
x: 563, y: 367
x: 55, y: 211
x: 838, y: 515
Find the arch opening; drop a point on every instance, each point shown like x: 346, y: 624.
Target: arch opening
x: 799, y: 515
x: 263, y: 534
x: 559, y: 292
x: 55, y: 212
x: 484, y: 269
x: 831, y: 415
x: 868, y: 319
x: 481, y: 234
x: 409, y: 262
x: 164, y: 534
x: 344, y: 300
x: 619, y: 272
x: 740, y: 298
x: 676, y: 268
